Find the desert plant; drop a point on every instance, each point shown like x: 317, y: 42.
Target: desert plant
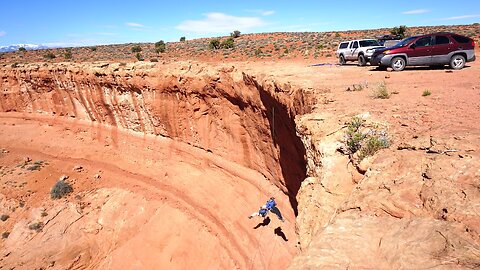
x: 37, y: 226
x: 49, y: 56
x: 93, y: 49
x: 381, y: 91
x: 235, y: 34
x: 362, y: 140
x: 426, y: 93
x: 136, y: 49
x: 5, y: 235
x: 160, y: 46
x: 139, y: 56
x: 154, y: 60
x: 14, y: 65
x: 182, y: 39
x: 258, y: 52
x: 60, y: 189
x: 22, y: 49
x: 399, y: 31
x: 214, y: 44
x: 4, y: 217
x: 227, y: 44
x: 68, y: 53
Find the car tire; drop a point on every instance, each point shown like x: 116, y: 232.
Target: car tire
x: 457, y: 61
x: 341, y: 60
x: 398, y: 63
x: 361, y: 60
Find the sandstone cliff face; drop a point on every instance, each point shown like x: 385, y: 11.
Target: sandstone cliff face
x: 214, y: 109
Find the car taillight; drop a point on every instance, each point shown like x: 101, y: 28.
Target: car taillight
x: 473, y: 43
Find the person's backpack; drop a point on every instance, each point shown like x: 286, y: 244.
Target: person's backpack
x: 270, y: 204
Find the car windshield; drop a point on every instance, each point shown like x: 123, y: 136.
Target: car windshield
x: 404, y: 42
x: 368, y: 43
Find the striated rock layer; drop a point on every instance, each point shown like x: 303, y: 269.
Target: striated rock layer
x: 185, y: 151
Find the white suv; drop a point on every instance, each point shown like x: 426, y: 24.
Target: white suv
x: 357, y: 50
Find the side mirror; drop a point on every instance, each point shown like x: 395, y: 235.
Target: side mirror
x: 413, y: 46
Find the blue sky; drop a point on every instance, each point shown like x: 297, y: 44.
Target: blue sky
x: 77, y: 23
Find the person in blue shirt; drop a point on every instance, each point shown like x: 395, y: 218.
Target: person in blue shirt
x: 269, y: 206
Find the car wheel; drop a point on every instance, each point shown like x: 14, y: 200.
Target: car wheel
x: 457, y: 62
x: 342, y: 59
x: 361, y: 60
x: 398, y: 63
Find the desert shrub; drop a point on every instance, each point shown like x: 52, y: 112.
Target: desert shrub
x: 22, y: 49
x: 5, y: 235
x: 182, y: 39
x: 60, y: 189
x: 227, y: 44
x: 373, y: 144
x: 214, y: 44
x: 426, y: 93
x: 37, y: 226
x: 4, y: 217
x: 68, y: 53
x: 93, y: 49
x: 399, y: 31
x: 235, y: 34
x: 258, y: 52
x: 160, y: 46
x: 136, y: 49
x: 154, y: 60
x: 14, y: 65
x: 139, y: 56
x: 365, y: 141
x: 49, y: 56
x: 381, y: 91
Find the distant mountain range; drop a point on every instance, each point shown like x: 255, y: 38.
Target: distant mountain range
x: 28, y: 47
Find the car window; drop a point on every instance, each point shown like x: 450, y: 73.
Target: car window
x: 441, y: 40
x: 367, y: 43
x: 355, y: 44
x: 405, y: 42
x: 423, y: 42
x: 461, y: 39
x: 343, y: 45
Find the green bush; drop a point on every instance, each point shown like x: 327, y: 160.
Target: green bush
x: 426, y: 93
x: 362, y: 140
x: 381, y: 91
x: 139, y: 56
x: 49, y: 56
x: 68, y: 53
x: 227, y: 44
x: 5, y: 235
x: 136, y: 49
x: 235, y: 34
x: 182, y: 39
x: 36, y: 226
x: 160, y: 46
x: 214, y: 44
x: 93, y: 49
x: 400, y: 31
x: 4, y: 217
x: 22, y: 49
x: 60, y: 189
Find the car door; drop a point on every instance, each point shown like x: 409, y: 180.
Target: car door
x: 352, y: 54
x: 420, y: 52
x: 441, y: 49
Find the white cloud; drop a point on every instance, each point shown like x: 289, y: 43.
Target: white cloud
x: 416, y: 11
x: 220, y: 23
x: 267, y: 12
x: 261, y: 11
x: 3, y: 33
x: 461, y: 17
x: 133, y: 24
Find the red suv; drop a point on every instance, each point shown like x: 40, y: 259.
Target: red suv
x: 427, y: 50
